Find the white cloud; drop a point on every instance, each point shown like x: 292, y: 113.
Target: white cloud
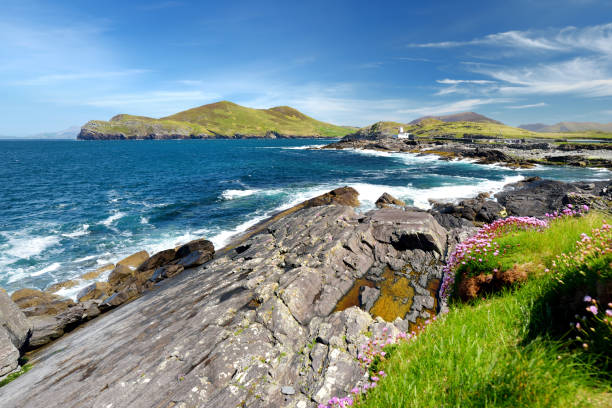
x: 533, y: 105
x: 464, y: 81
x: 596, y: 38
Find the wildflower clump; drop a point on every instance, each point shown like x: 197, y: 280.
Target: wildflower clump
x: 476, y: 253
x: 371, y: 357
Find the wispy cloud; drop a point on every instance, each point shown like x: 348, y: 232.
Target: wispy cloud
x: 529, y: 106
x: 596, y: 38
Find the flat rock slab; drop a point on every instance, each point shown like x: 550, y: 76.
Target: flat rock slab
x: 246, y: 328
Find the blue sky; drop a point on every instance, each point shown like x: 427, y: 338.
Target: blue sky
x: 347, y: 62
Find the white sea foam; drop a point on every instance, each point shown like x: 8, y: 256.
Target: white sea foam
x: 27, y: 246
x: 231, y: 194
x: 53, y: 267
x: 85, y: 258
x: 111, y: 219
x: 83, y: 230
x: 144, y: 220
x: 308, y: 147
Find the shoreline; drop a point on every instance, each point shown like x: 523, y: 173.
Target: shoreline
x: 526, y: 154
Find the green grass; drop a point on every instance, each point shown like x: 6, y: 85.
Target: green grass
x: 24, y: 369
x: 535, y: 250
x: 498, y: 352
x: 224, y: 119
x: 431, y: 127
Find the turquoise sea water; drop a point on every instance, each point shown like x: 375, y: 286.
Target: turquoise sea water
x: 68, y: 207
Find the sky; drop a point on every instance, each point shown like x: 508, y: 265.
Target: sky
x: 63, y: 63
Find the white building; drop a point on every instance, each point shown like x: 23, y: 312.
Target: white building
x: 402, y: 135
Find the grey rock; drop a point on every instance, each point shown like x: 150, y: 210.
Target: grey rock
x: 240, y: 327
x: 44, y: 330
x: 367, y: 297
x: 195, y: 258
x: 288, y: 390
x: 13, y: 321
x: 202, y: 245
x: 9, y: 354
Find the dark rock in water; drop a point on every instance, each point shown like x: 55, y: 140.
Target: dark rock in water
x: 202, y: 245
x: 15, y: 330
x: 159, y: 259
x: 489, y: 211
x: 239, y: 328
x: 386, y: 200
x: 367, y: 297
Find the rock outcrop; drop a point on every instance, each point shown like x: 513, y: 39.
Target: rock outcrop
x: 387, y: 200
x: 275, y: 321
x: 15, y: 331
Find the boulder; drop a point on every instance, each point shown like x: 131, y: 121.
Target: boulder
x: 135, y: 260
x: 61, y: 285
x: 34, y: 302
x: 119, y: 275
x: 165, y: 272
x: 15, y: 330
x: 9, y: 354
x: 159, y: 259
x: 96, y: 290
x: 201, y: 245
x: 44, y: 330
x: 14, y: 321
x: 387, y: 200
x: 195, y: 258
x: 408, y: 230
x: 94, y: 274
x: 340, y: 196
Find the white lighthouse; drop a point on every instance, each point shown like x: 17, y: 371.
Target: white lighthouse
x: 401, y: 134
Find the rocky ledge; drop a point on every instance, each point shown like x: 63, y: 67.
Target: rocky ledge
x: 514, y: 154
x: 277, y: 318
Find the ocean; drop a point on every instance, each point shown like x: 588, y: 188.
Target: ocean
x: 69, y: 207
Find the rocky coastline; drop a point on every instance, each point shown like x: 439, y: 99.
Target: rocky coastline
x: 523, y: 153
x: 274, y: 319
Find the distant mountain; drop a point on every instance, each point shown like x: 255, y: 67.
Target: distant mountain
x: 459, y: 117
x: 563, y: 127
x: 69, y: 133
x: 216, y: 120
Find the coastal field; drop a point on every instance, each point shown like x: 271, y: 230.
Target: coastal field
x: 429, y: 127
x: 220, y: 119
x: 520, y: 347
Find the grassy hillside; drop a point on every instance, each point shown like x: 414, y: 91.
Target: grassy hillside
x: 221, y: 119
x: 430, y: 127
x: 520, y: 347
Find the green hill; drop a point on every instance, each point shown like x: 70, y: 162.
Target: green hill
x: 430, y: 127
x: 217, y: 120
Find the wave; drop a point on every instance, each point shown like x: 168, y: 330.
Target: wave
x: 83, y: 230
x: 53, y: 267
x: 28, y: 246
x: 308, y: 147
x: 108, y: 221
x: 85, y: 258
x: 231, y: 194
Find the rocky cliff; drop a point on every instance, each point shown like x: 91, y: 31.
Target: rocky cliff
x: 277, y: 321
